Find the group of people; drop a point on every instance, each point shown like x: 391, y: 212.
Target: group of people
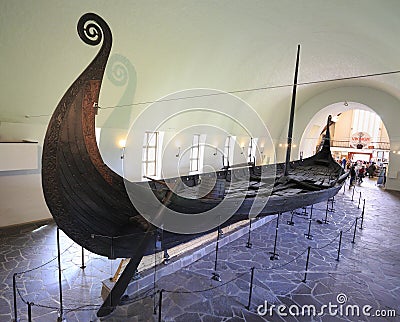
x: 359, y: 170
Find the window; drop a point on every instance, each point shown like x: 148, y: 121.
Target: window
x: 149, y: 156
x: 366, y: 121
x: 228, y: 150
x: 251, y: 151
x: 195, y: 153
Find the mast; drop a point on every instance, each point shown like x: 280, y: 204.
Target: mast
x: 291, y: 119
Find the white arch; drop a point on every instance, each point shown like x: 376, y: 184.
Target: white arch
x: 382, y: 103
x: 311, y: 133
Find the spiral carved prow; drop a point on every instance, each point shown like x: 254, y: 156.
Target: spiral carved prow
x: 92, y: 28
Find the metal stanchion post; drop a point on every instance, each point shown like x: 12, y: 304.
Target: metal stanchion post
x: 325, y: 221
x: 83, y: 258
x: 332, y: 200
x: 308, y: 235
x: 251, y: 288
x: 159, y: 305
x: 308, y: 258
x: 355, y: 229
x: 362, y: 215
x: 359, y: 201
x: 59, y: 274
x: 15, y: 297
x: 157, y: 246
x: 340, y: 244
x: 29, y: 312
x: 274, y: 254
x: 290, y: 222
x: 249, y: 244
x: 216, y: 276
x: 352, y: 195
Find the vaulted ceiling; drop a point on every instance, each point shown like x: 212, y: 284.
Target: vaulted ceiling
x: 177, y: 45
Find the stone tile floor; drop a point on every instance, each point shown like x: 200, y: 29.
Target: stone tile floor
x: 366, y: 276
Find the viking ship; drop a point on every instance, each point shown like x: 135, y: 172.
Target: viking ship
x: 92, y: 204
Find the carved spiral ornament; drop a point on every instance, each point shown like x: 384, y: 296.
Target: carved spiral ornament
x: 91, y: 29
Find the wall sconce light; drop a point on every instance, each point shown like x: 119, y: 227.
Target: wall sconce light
x: 242, y: 147
x: 179, y: 152
x: 122, y: 144
x: 345, y: 103
x: 216, y: 150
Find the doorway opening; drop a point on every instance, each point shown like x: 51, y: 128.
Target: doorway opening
x: 357, y: 134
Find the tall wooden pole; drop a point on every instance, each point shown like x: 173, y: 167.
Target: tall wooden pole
x: 291, y: 119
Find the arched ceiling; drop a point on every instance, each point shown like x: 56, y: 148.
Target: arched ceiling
x: 176, y: 45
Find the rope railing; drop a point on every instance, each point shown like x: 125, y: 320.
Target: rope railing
x: 210, y: 288
x: 44, y: 264
x: 152, y: 292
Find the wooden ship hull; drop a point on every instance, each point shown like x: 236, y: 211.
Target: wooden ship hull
x: 91, y: 204
x: 307, y: 183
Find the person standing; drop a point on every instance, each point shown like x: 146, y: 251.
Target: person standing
x: 361, y: 174
x: 382, y: 177
x: 352, y: 175
x: 371, y: 170
x: 344, y: 161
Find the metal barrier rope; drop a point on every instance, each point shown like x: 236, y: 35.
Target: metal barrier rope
x: 283, y: 265
x: 331, y: 242
x: 42, y: 265
x: 211, y: 288
x: 91, y: 307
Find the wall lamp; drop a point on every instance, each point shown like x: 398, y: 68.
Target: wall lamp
x: 122, y: 145
x: 179, y: 152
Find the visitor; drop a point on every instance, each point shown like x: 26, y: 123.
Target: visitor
x: 382, y: 177
x: 371, y: 170
x: 344, y: 161
x: 361, y: 174
x: 352, y: 175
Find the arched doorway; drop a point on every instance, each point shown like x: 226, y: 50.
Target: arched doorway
x: 357, y: 133
x: 385, y: 104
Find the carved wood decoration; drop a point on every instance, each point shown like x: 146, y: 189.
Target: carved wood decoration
x: 86, y: 198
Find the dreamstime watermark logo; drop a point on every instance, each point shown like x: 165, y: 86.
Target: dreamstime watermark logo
x: 340, y: 308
